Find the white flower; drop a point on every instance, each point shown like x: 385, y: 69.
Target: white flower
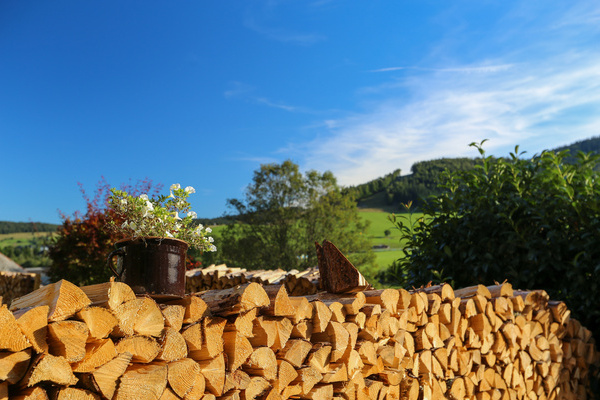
x: 199, y: 227
x: 213, y: 248
x: 123, y: 202
x: 168, y: 234
x: 144, y: 196
x: 175, y: 186
x: 192, y: 214
x: 208, y: 230
x: 210, y: 239
x: 189, y: 189
x: 176, y: 216
x: 149, y: 205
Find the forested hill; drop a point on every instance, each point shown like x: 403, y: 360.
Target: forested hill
x: 392, y: 190
x: 14, y: 227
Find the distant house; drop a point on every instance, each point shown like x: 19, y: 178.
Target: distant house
x: 8, y: 265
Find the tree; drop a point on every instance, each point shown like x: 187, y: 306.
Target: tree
x: 284, y: 212
x: 534, y: 222
x: 79, y: 251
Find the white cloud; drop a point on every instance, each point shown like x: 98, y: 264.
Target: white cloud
x: 545, y: 104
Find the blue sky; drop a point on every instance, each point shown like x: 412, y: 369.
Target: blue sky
x: 202, y: 93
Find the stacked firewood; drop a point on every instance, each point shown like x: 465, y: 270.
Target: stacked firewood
x: 17, y: 284
x: 255, y: 342
x: 297, y: 283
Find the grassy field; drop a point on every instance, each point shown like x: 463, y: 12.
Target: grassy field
x: 20, y: 238
x: 376, y: 232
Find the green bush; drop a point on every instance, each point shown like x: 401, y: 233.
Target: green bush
x: 534, y: 222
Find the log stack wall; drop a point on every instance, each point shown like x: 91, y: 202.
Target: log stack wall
x: 17, y: 284
x: 255, y: 342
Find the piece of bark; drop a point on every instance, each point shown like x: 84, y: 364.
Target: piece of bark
x: 180, y: 375
x: 64, y: 299
x: 235, y: 300
x: 337, y: 274
x: 109, y: 294
x: 49, y: 368
x: 97, y: 353
x: 142, y: 349
x: 67, y: 339
x: 14, y: 365
x: 11, y: 337
x: 105, y: 378
x: 100, y: 321
x: 142, y: 381
x: 34, y: 325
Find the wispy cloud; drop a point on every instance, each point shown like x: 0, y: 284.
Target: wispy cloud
x: 287, y: 35
x: 536, y: 103
x: 246, y: 92
x: 465, y: 69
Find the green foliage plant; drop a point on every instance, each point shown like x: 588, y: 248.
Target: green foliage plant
x: 284, y: 213
x: 139, y: 216
x: 532, y: 221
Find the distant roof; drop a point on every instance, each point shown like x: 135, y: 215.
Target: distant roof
x: 8, y: 265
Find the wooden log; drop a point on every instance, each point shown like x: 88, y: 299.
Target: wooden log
x: 172, y: 346
x: 235, y: 300
x: 63, y: 298
x: 14, y: 365
x: 109, y: 294
x: 262, y: 362
x: 173, y: 315
x: 142, y: 349
x: 100, y: 321
x: 69, y: 393
x: 33, y: 323
x: 142, y: 381
x: 97, y: 353
x: 238, y: 349
x: 141, y: 316
x: 11, y: 336
x: 295, y: 352
x: 67, y: 339
x: 181, y: 374
x: 33, y: 393
x: 105, y: 378
x: 51, y: 369
x: 213, y: 371
x: 195, y: 308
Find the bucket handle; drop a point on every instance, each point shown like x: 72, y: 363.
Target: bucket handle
x: 109, y: 262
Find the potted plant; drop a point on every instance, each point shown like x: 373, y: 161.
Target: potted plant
x: 156, y: 235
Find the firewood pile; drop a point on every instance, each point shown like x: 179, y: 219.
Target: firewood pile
x: 257, y: 342
x: 297, y: 283
x: 17, y: 284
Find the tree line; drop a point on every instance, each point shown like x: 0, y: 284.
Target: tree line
x: 17, y: 227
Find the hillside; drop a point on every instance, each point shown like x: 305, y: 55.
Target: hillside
x: 389, y: 192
